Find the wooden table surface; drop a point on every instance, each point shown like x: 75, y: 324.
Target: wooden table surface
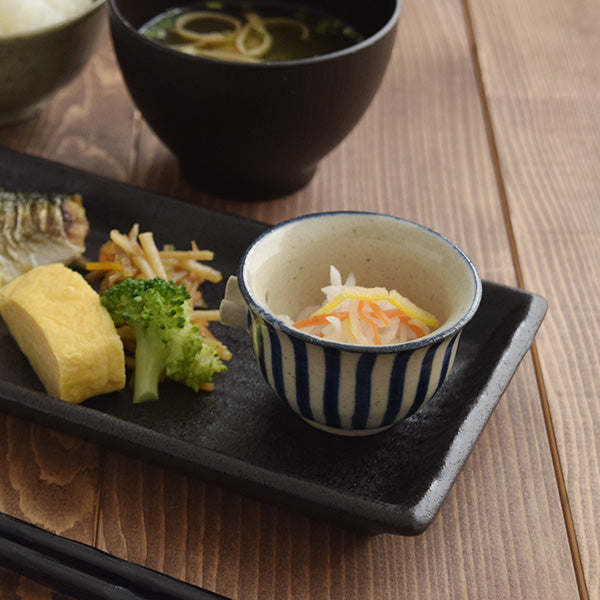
x: 486, y: 128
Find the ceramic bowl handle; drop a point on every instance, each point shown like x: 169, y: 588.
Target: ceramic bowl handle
x: 233, y: 309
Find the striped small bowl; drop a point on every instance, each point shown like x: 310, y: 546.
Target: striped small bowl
x: 343, y: 388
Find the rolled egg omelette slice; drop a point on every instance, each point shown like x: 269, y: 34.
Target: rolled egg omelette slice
x: 69, y: 338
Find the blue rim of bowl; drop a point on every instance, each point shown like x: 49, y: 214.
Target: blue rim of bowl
x: 97, y: 4
x: 372, y: 39
x: 434, y: 337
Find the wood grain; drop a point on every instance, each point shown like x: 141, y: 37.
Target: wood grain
x: 542, y: 90
x: 486, y: 129
x: 50, y: 480
x: 245, y: 549
x: 13, y: 586
x: 88, y: 124
x: 430, y: 161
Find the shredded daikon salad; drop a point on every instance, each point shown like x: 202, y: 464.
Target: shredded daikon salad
x: 365, y: 316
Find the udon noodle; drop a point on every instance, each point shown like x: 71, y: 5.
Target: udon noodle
x: 250, y: 35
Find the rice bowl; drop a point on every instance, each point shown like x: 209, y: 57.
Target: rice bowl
x: 23, y: 16
x: 40, y: 55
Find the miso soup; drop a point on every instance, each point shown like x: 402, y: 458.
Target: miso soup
x: 251, y: 31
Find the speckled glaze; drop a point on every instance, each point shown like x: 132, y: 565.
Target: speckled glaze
x: 35, y: 65
x: 343, y: 388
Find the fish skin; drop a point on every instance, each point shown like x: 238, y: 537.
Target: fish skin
x: 39, y: 229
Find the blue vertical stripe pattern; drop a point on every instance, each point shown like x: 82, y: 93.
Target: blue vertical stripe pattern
x: 276, y: 363
x: 396, y: 389
x: 362, y: 390
x: 331, y: 389
x: 372, y: 404
x: 259, y: 349
x: 447, y: 364
x: 424, y: 379
x: 302, y: 378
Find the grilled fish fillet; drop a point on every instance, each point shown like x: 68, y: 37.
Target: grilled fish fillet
x: 39, y: 229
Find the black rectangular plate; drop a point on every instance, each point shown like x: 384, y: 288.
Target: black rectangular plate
x: 240, y: 435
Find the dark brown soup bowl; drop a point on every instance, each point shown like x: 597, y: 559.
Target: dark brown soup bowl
x: 253, y: 130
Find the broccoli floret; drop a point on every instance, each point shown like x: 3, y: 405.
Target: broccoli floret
x: 167, y: 343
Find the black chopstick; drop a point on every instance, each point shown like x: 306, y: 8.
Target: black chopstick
x: 81, y: 571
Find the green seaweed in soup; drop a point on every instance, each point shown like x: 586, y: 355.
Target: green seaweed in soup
x: 251, y: 32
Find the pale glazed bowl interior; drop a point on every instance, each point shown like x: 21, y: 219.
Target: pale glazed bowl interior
x: 284, y: 271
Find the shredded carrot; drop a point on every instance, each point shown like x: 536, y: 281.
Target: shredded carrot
x: 319, y: 320
x: 396, y: 312
x: 404, y: 318
x: 354, y: 321
x: 103, y: 266
x: 363, y: 315
x: 379, y: 313
x: 370, y: 318
x: 379, y: 294
x: 416, y: 329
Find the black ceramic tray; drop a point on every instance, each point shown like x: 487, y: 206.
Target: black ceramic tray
x: 240, y: 434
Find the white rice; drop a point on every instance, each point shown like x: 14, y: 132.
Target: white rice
x: 20, y: 16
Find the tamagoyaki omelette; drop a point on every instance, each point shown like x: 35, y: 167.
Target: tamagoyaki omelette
x: 58, y: 322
